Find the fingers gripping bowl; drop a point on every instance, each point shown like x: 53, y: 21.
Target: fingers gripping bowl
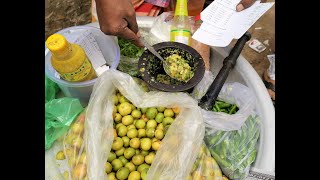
x: 152, y: 71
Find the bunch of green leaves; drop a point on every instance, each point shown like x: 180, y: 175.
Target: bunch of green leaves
x: 128, y: 49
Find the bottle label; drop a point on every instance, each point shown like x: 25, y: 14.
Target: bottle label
x: 81, y: 73
x: 181, y: 36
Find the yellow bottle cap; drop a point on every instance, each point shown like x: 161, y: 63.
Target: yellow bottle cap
x: 57, y: 44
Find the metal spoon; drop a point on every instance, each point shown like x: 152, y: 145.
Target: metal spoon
x: 154, y: 52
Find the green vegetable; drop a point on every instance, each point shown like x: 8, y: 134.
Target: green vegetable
x: 129, y: 59
x: 215, y: 109
x: 235, y: 151
x: 233, y: 109
x: 223, y: 110
x: 128, y: 49
x: 220, y: 106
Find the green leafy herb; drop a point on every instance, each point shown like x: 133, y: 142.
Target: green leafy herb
x: 128, y: 49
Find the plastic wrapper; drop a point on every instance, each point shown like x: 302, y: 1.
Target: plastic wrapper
x: 232, y: 139
x: 235, y: 151
x: 67, y: 157
x: 51, y: 89
x: 59, y: 113
x: 202, y: 87
x: 145, y: 87
x: 129, y: 58
x: 129, y: 66
x: 160, y: 29
x: 180, y: 146
x: 205, y: 167
x: 233, y: 93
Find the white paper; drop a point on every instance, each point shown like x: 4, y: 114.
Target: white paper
x: 229, y: 3
x: 222, y: 23
x: 206, y: 38
x: 248, y: 17
x: 272, y: 68
x: 218, y: 16
x: 91, y: 47
x: 101, y: 70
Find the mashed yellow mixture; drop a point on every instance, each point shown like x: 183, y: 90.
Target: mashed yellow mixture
x: 179, y: 68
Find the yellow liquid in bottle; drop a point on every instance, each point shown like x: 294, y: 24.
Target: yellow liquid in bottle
x: 69, y: 60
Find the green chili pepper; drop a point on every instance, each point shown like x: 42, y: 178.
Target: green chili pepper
x: 218, y: 108
x: 237, y: 150
x: 214, y: 109
x: 224, y: 105
x: 218, y: 159
x: 215, y: 138
x: 223, y: 110
x: 233, y: 108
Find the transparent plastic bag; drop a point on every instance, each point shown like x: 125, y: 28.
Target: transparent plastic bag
x: 129, y: 57
x: 205, y: 167
x: 52, y: 169
x: 202, y: 87
x: 160, y: 29
x: 180, y: 146
x: 51, y: 89
x: 236, y: 150
x: 67, y: 157
x: 129, y: 66
x: 233, y: 93
x: 59, y: 114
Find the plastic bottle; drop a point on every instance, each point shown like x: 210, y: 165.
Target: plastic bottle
x: 180, y: 28
x: 69, y: 60
x: 194, y: 6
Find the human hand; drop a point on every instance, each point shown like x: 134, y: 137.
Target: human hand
x: 118, y: 18
x: 244, y: 4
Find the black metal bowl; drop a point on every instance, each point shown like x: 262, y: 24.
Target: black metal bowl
x: 150, y: 66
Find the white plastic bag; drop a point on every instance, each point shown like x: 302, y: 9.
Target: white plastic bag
x: 179, y: 147
x: 160, y: 29
x: 232, y: 139
x: 202, y: 87
x: 205, y: 167
x: 161, y: 26
x: 233, y: 93
x: 235, y: 151
x: 52, y: 170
